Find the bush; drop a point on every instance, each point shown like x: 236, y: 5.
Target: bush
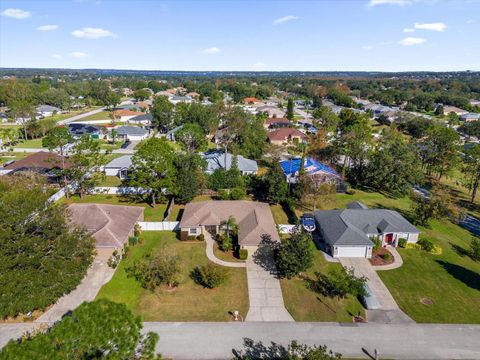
x: 152, y: 271
x: 402, y: 242
x: 191, y: 238
x: 223, y: 195
x: 226, y: 243
x: 201, y: 237
x: 475, y: 249
x: 210, y: 276
x: 183, y: 235
x: 243, y: 254
x: 387, y: 256
x: 425, y: 244
x: 295, y: 254
x: 237, y: 194
x: 137, y: 229
x: 339, y: 283
x: 377, y: 243
x: 132, y: 240
x: 114, y: 259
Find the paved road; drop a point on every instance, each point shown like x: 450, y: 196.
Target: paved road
x: 81, y: 116
x: 264, y: 292
x: 410, y: 341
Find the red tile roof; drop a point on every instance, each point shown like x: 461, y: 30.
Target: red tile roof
x: 248, y: 100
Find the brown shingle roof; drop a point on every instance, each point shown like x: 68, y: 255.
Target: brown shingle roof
x: 110, y: 224
x: 254, y: 218
x: 284, y: 133
x: 41, y: 161
x: 128, y: 113
x: 273, y: 120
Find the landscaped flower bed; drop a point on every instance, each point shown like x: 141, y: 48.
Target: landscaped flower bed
x: 381, y: 257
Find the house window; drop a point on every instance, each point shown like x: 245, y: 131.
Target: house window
x: 193, y: 231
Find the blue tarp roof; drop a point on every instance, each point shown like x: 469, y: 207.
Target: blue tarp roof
x: 311, y: 166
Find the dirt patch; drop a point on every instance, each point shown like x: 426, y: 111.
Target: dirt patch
x: 426, y: 301
x: 381, y: 257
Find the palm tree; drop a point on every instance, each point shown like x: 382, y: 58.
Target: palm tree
x: 231, y: 225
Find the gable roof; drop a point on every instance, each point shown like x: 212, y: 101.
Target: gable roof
x: 40, y: 162
x: 350, y: 226
x: 254, y: 218
x: 216, y: 160
x: 311, y: 167
x: 79, y: 129
x: 125, y: 112
x: 122, y: 162
x: 283, y: 134
x: 110, y: 224
x: 47, y: 108
x: 143, y: 117
x: 131, y: 130
x: 274, y: 120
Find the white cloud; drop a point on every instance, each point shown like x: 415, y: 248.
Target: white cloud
x: 16, y: 13
x: 211, y: 50
x: 438, y: 26
x: 93, y: 33
x: 367, y: 47
x: 78, y: 55
x: 259, y: 64
x: 409, y: 41
x: 47, y: 27
x: 390, y: 2
x: 408, y: 30
x: 284, y: 19
x: 56, y: 56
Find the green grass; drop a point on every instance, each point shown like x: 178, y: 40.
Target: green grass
x: 225, y: 256
x: 102, y: 115
x: 111, y: 181
x: 8, y: 156
x: 279, y: 215
x: 104, y: 145
x: 306, y: 305
x: 450, y: 280
x: 33, y: 144
x: 189, y: 302
x: 150, y: 214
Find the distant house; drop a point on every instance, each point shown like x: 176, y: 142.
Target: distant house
x: 178, y: 99
x: 144, y: 119
x: 254, y: 220
x: 42, y: 162
x: 470, y: 117
x: 286, y: 135
x: 80, y: 129
x: 349, y: 232
x: 126, y: 115
x: 216, y: 160
x: 319, y: 172
x: 119, y: 167
x: 272, y: 111
x: 251, y: 100
x: 47, y: 110
x: 132, y: 133
x: 274, y: 122
x: 453, y: 109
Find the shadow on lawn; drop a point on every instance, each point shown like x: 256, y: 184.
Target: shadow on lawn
x: 468, y: 277
x: 459, y: 250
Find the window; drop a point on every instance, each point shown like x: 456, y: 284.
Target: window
x: 193, y: 231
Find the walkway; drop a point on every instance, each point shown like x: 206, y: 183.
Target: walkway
x: 264, y: 292
x: 211, y: 256
x: 397, y: 261
x: 411, y: 341
x: 98, y: 274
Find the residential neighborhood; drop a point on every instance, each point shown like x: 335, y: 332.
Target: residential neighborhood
x: 168, y: 199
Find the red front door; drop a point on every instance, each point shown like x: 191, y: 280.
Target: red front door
x: 389, y: 239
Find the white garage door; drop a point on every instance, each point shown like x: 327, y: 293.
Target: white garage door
x: 351, y: 251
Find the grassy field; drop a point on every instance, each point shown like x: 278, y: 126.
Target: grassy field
x: 189, y: 302
x: 111, y: 181
x: 102, y: 115
x: 451, y: 281
x: 306, y: 305
x: 8, y: 156
x: 279, y: 215
x: 33, y: 144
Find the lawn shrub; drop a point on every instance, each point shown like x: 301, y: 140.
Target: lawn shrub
x: 377, y: 243
x: 183, y: 235
x: 339, y: 283
x: 210, y: 275
x: 225, y: 243
x: 475, y: 249
x: 223, y: 194
x: 425, y: 244
x: 155, y: 270
x: 201, y: 237
x: 132, y: 240
x: 192, y: 238
x: 243, y: 254
x: 387, y: 256
x: 137, y: 229
x: 237, y: 194
x: 114, y: 259
x: 402, y: 242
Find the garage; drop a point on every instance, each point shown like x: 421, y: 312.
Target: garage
x: 350, y: 251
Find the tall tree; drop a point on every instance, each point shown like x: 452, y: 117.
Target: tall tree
x: 277, y: 187
x: 471, y: 170
x: 192, y: 138
x: 439, y: 151
x: 290, y: 109
x: 152, y: 167
x: 190, y: 178
x: 162, y: 113
x: 295, y: 254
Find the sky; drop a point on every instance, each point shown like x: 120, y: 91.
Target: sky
x: 231, y: 35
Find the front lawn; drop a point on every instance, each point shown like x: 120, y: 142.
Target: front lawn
x: 102, y: 115
x: 189, y: 302
x: 111, y: 181
x: 31, y: 144
x: 306, y: 305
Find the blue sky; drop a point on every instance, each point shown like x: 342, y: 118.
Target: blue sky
x: 383, y: 35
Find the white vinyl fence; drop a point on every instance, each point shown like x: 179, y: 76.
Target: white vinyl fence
x: 122, y: 190
x: 285, y: 228
x: 159, y: 225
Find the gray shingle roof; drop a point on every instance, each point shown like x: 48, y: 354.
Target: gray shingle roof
x: 144, y: 117
x: 47, y: 108
x: 121, y: 162
x: 131, y: 130
x: 216, y: 160
x: 351, y: 226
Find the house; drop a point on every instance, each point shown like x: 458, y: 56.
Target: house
x: 180, y: 99
x: 470, y: 117
x: 453, y: 109
x: 319, y: 172
x: 286, y: 135
x: 171, y: 134
x: 144, y: 119
x: 216, y: 160
x: 254, y: 220
x: 271, y: 111
x: 349, y: 232
x: 80, y: 129
x: 251, y: 100
x: 132, y: 133
x: 110, y: 225
x: 42, y: 162
x: 126, y: 115
x: 47, y: 110
x: 119, y: 167
x: 274, y: 122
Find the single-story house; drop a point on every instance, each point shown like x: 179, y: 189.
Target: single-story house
x: 132, y: 133
x: 286, y: 135
x: 216, y: 160
x: 272, y: 111
x: 47, y: 110
x: 111, y: 225
x: 319, y: 172
x: 80, y: 129
x: 42, y: 162
x: 125, y: 115
x: 453, y: 109
x: 178, y: 99
x: 144, y: 119
x: 349, y: 232
x: 254, y: 220
x: 119, y: 167
x: 470, y: 117
x: 276, y: 122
